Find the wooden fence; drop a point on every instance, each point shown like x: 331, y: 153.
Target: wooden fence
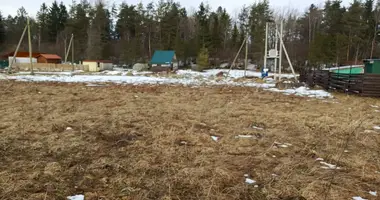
x: 48, y: 67
x: 363, y: 84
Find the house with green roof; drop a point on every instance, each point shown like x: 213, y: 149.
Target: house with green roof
x: 164, y: 59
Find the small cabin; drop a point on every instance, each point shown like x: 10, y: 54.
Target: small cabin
x: 98, y: 65
x: 164, y: 60
x: 49, y: 58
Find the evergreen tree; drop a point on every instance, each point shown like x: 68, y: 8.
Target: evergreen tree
x: 202, y: 59
x: 99, y: 34
x: 203, y: 32
x: 2, y: 30
x: 42, y: 20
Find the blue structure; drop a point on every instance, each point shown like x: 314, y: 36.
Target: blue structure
x: 163, y: 58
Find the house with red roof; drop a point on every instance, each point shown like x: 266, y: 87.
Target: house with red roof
x: 48, y: 58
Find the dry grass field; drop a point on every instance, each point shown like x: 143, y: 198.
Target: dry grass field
x: 154, y: 142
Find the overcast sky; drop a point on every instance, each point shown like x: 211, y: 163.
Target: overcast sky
x: 233, y: 6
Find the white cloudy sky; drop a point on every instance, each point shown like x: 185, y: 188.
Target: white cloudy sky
x: 233, y: 6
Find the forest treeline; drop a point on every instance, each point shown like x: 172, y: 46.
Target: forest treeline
x: 126, y: 33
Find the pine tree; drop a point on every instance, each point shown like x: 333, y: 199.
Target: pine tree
x: 42, y: 20
x: 99, y: 34
x: 203, y: 32
x: 2, y: 30
x: 53, y: 22
x: 234, y: 37
x: 202, y: 59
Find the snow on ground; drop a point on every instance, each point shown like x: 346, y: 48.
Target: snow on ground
x: 52, y: 73
x: 232, y: 73
x: 136, y: 80
x: 183, y: 77
x: 76, y: 197
x: 304, y: 91
x: 373, y: 193
x: 358, y: 198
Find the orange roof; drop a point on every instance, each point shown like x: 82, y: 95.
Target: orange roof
x: 50, y: 56
x: 20, y: 54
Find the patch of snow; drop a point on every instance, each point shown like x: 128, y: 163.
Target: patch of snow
x: 76, y: 197
x: 304, y: 91
x: 374, y: 106
x: 69, y: 129
x: 188, y: 78
x: 256, y: 127
x: 358, y: 198
x: 376, y: 127
x: 370, y: 131
x: 249, y: 181
x: 244, y: 136
x: 67, y: 73
x: 328, y: 166
x: 319, y: 159
x: 215, y: 138
x: 373, y: 193
x: 108, y: 72
x: 137, y: 80
x: 282, y: 145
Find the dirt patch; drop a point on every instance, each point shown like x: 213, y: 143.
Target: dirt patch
x: 154, y: 142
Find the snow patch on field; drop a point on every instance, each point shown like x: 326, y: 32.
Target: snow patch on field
x: 136, y: 80
x: 184, y: 77
x: 76, y: 197
x: 304, y: 91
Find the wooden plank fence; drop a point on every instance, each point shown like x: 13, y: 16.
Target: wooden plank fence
x: 362, y: 84
x: 48, y: 67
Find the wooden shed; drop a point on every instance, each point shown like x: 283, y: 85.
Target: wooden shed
x: 98, y: 65
x: 48, y: 58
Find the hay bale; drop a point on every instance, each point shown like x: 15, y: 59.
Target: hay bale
x: 140, y: 67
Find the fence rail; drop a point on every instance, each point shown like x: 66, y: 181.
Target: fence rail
x: 363, y: 84
x: 48, y: 67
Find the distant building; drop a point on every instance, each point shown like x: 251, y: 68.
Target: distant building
x: 21, y: 57
x: 49, y: 58
x: 166, y: 59
x: 98, y: 65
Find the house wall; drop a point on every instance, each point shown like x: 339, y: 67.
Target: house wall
x: 22, y: 60
x: 41, y: 60
x: 106, y: 66
x: 92, y: 66
x: 55, y: 61
x: 356, y: 70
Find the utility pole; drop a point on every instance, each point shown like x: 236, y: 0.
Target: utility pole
x: 64, y: 40
x: 280, y: 53
x: 246, y: 55
x: 287, y: 57
x: 15, y: 53
x: 233, y: 62
x: 68, y: 49
x: 276, y: 47
x: 72, y: 53
x: 266, y: 45
x: 30, y: 47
